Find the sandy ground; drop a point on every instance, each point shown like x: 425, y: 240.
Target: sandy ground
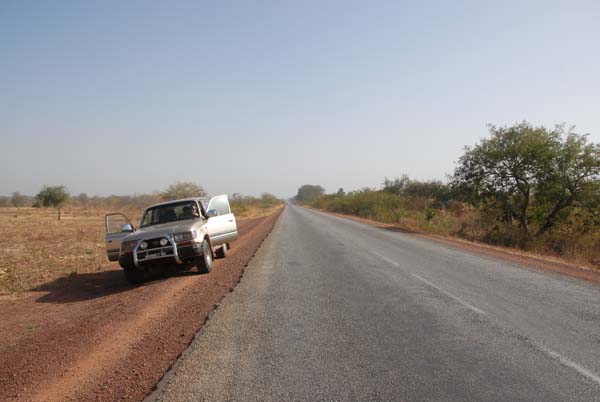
x: 92, y: 336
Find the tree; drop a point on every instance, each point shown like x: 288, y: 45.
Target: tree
x: 17, y: 199
x: 395, y: 186
x: 309, y: 193
x: 83, y: 199
x: 434, y: 190
x: 182, y: 189
x: 530, y: 174
x: 267, y: 200
x: 52, y: 196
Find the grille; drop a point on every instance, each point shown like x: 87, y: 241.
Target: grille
x: 154, y: 254
x: 154, y: 243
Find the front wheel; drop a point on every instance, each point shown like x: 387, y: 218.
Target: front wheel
x: 204, y: 262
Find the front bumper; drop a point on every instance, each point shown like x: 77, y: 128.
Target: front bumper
x: 172, y: 253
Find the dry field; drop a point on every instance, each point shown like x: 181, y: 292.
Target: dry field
x: 37, y: 248
x: 91, y: 336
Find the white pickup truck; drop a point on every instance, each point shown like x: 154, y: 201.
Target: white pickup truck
x: 187, y: 232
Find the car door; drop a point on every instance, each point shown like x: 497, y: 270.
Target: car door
x: 117, y: 227
x: 221, y: 225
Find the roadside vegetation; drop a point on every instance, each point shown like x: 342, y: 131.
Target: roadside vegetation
x: 252, y: 207
x: 526, y: 187
x: 58, y: 199
x: 43, y: 248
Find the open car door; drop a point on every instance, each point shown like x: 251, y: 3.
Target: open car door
x: 117, y: 227
x: 222, y: 227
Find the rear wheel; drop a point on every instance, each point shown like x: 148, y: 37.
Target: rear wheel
x: 204, y: 262
x: 222, y: 251
x: 134, y: 276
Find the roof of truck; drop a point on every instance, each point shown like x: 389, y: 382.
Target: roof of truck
x: 179, y: 200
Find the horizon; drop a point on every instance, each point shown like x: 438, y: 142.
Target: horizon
x: 123, y: 99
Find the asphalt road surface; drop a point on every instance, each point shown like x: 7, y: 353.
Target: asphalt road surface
x: 334, y: 310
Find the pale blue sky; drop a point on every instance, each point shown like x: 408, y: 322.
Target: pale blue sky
x: 123, y: 97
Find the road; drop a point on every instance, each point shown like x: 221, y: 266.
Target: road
x: 334, y: 310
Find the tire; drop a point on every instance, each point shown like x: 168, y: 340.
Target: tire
x: 134, y: 276
x: 222, y: 251
x: 204, y: 262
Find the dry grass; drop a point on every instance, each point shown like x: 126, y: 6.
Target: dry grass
x: 37, y: 248
x: 255, y: 211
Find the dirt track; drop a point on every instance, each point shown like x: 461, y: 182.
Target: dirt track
x: 94, y: 337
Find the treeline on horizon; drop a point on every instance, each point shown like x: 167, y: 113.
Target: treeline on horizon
x: 59, y: 197
x: 523, y: 186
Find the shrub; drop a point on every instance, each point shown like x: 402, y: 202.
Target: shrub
x: 54, y: 196
x: 182, y: 189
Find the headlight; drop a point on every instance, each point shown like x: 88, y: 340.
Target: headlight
x: 164, y: 242
x: 183, y: 236
x: 144, y: 245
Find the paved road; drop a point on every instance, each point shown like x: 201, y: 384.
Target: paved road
x: 333, y: 310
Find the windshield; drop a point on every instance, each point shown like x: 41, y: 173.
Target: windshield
x: 170, y: 213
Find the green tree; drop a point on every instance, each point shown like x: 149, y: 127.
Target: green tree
x: 530, y: 174
x: 434, y: 190
x: 395, y: 186
x: 309, y: 193
x: 52, y: 196
x: 182, y: 189
x: 17, y: 199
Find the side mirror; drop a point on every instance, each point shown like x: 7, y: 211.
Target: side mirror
x: 126, y: 228
x: 212, y: 213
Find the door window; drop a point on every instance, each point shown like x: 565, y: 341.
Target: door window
x: 221, y: 204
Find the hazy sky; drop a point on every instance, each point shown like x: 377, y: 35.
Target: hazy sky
x: 252, y: 96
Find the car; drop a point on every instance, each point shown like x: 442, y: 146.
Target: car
x: 186, y: 233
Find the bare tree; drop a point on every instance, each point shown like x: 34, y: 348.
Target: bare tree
x: 17, y: 199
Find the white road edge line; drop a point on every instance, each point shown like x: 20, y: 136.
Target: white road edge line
x: 433, y: 285
x: 450, y: 295
x: 544, y: 349
x: 568, y: 363
x: 383, y: 257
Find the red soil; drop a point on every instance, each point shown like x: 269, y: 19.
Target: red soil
x: 94, y: 337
